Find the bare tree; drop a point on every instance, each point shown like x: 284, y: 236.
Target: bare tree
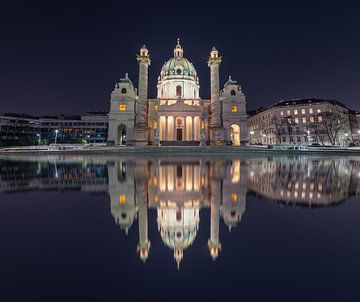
x: 329, y: 124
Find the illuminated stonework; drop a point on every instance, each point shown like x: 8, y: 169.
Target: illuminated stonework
x: 178, y: 116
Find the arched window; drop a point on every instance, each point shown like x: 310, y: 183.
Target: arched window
x: 178, y: 91
x: 123, y: 91
x: 233, y: 92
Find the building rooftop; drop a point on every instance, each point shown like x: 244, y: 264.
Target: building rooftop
x: 303, y: 101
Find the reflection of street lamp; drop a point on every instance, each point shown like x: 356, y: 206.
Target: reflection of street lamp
x: 56, y: 135
x: 39, y: 138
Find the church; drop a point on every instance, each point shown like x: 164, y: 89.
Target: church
x: 178, y: 116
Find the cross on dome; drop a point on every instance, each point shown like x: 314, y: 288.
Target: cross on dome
x: 178, y: 50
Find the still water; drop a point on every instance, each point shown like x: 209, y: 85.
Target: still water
x: 78, y: 228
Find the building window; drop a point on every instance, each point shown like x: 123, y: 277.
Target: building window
x: 178, y: 91
x: 234, y: 197
x: 234, y: 108
x: 289, y: 112
x: 311, y: 119
x: 296, y: 112
x: 304, y: 120
x: 122, y: 199
x: 122, y: 107
x: 156, y: 107
x: 303, y: 111
x: 233, y: 92
x: 155, y: 125
x: 320, y: 119
x: 296, y: 120
x: 311, y: 111
x: 318, y: 111
x: 123, y: 91
x: 281, y: 113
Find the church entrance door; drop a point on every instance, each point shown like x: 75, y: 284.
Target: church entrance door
x: 179, y: 134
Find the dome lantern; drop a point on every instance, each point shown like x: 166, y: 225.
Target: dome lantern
x: 178, y: 50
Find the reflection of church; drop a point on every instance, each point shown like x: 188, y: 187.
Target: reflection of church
x: 178, y: 116
x: 178, y: 191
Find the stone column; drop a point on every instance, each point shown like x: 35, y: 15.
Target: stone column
x: 141, y: 106
x: 192, y: 128
x: 174, y: 128
x: 140, y: 132
x: 217, y: 132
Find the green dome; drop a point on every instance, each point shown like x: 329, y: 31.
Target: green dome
x: 178, y: 66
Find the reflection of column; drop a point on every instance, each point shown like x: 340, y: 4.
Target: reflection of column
x: 144, y: 243
x: 214, y: 242
x: 141, y: 201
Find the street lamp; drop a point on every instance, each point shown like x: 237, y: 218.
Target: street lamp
x: 56, y: 135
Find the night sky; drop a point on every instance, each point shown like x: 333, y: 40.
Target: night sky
x: 65, y: 56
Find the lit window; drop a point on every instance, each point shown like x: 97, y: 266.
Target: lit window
x: 296, y: 120
x: 304, y: 120
x: 296, y: 112
x: 234, y: 197
x: 233, y: 108
x: 289, y: 120
x: 311, y: 111
x: 156, y: 107
x: 122, y: 107
x: 311, y: 119
x: 319, y: 111
x: 155, y: 125
x: 288, y: 112
x: 320, y: 119
x: 282, y: 113
x: 122, y: 199
x: 202, y: 125
x: 303, y: 111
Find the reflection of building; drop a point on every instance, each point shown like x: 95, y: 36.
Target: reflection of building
x: 299, y: 121
x: 300, y: 181
x: 178, y: 190
x: 178, y: 116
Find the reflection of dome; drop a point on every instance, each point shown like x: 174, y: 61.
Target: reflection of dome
x: 178, y: 228
x: 232, y: 212
x: 124, y: 214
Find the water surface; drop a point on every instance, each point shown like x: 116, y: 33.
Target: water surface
x: 179, y: 228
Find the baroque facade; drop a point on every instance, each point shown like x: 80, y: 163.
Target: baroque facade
x: 178, y: 116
